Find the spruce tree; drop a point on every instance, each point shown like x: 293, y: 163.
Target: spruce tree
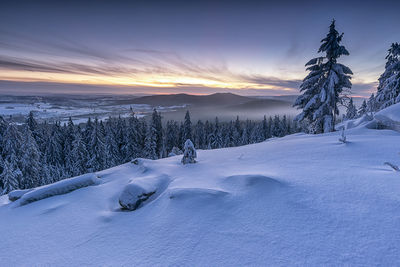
x: 187, y: 127
x: 150, y: 145
x: 30, y: 163
x: 157, y: 125
x: 372, y: 104
x: 324, y: 85
x: 79, y: 155
x: 10, y: 176
x: 351, y: 111
x: 97, y: 148
x: 363, y: 109
x: 389, y: 82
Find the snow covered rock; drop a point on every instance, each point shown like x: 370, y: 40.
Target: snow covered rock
x: 142, y: 191
x: 59, y: 188
x: 17, y: 194
x: 189, y: 153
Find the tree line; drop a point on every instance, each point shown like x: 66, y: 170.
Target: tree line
x: 35, y: 154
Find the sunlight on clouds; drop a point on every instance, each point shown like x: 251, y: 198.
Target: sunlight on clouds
x: 144, y: 80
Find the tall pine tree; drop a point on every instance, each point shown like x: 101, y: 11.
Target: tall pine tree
x: 323, y: 87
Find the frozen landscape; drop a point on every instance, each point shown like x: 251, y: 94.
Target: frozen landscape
x: 297, y: 200
x: 199, y: 133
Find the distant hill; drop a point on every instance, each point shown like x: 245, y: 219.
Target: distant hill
x: 223, y: 99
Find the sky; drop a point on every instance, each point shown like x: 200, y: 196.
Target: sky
x: 196, y: 47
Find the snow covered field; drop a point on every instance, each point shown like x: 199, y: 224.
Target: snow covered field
x: 298, y: 200
x: 61, y: 108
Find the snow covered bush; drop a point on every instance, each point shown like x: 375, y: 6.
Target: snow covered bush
x: 59, y: 188
x: 189, y: 153
x: 175, y: 152
x: 142, y: 190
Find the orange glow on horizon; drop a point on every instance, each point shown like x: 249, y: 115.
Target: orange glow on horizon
x: 142, y: 80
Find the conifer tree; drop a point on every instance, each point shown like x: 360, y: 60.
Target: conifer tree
x: 389, y: 82
x: 79, y: 155
x: 150, y: 145
x: 30, y: 163
x: 189, y: 153
x: 187, y: 127
x: 371, y: 104
x: 324, y: 85
x: 363, y: 109
x: 10, y: 176
x: 157, y: 125
x: 97, y: 148
x: 351, y: 111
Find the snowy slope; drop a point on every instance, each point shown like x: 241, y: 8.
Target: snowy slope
x: 297, y: 200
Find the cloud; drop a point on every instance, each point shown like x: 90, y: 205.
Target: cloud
x: 136, y: 63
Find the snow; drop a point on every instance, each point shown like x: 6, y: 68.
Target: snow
x: 390, y: 117
x: 297, y: 200
x: 17, y: 194
x: 58, y: 188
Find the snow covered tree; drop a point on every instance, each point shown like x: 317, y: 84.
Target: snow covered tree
x: 189, y: 153
x: 351, y: 111
x: 187, y: 127
x: 372, y: 106
x: 363, y: 109
x: 216, y: 136
x: 97, y: 148
x: 30, y: 163
x: 150, y: 144
x: 171, y: 135
x: 54, y: 149
x: 12, y: 141
x: 11, y: 176
x: 388, y: 92
x: 111, y: 157
x: 157, y: 125
x: 79, y: 155
x: 324, y: 85
x: 199, y: 135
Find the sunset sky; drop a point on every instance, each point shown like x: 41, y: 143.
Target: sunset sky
x: 132, y: 47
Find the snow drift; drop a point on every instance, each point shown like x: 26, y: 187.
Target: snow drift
x: 58, y: 188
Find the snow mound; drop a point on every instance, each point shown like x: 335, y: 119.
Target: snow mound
x: 389, y: 117
x: 142, y: 191
x: 59, y: 188
x: 362, y: 121
x: 392, y: 112
x: 203, y: 193
x: 17, y: 194
x: 251, y: 180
